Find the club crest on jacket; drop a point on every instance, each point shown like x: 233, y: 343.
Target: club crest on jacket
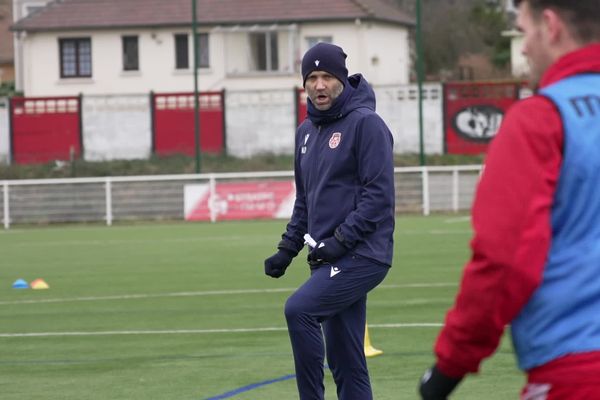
x: 335, y: 140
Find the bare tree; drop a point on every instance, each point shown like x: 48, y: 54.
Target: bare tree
x: 454, y: 28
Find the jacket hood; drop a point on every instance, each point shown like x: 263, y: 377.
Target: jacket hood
x: 357, y: 93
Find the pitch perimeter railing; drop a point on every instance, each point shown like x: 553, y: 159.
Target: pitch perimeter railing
x: 161, y: 197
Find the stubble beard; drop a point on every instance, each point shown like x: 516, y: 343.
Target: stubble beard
x: 334, y: 95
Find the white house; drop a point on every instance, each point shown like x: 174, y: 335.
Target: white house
x: 136, y: 46
x: 518, y: 62
x: 20, y: 10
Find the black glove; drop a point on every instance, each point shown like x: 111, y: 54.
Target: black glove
x: 276, y: 264
x: 435, y: 385
x: 327, y: 250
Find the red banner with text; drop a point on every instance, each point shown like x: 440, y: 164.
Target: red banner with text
x: 239, y: 200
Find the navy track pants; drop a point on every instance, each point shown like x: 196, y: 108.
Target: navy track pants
x: 334, y: 297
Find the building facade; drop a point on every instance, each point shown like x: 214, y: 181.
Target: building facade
x: 138, y: 46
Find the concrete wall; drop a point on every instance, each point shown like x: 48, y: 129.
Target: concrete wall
x: 399, y: 107
x: 260, y: 122
x: 116, y: 127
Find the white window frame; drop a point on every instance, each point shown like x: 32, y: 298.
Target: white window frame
x: 313, y: 40
x: 200, y: 47
x: 268, y: 37
x: 286, y: 67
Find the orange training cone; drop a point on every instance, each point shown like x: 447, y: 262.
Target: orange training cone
x: 39, y: 284
x: 370, y: 351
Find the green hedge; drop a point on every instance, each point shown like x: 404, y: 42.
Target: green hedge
x: 187, y: 165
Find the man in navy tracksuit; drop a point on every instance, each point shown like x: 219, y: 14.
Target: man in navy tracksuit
x: 345, y: 200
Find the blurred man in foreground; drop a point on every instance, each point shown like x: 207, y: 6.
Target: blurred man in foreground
x: 535, y: 260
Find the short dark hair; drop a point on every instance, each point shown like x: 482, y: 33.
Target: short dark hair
x: 583, y: 16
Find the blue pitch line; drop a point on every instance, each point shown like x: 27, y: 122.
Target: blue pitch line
x: 251, y: 387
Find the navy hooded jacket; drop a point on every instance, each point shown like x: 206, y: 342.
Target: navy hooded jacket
x: 344, y: 174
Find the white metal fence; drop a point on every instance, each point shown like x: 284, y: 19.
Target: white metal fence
x: 160, y: 197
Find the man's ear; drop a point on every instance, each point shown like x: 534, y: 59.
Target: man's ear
x: 559, y: 34
x: 554, y: 26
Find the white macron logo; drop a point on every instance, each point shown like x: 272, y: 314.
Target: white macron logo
x: 317, y: 62
x: 334, y: 271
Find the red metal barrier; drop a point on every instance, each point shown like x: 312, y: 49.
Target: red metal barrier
x: 473, y: 112
x: 300, y: 105
x: 173, y: 123
x: 45, y: 129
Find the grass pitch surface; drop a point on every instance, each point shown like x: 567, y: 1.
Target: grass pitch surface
x: 184, y: 311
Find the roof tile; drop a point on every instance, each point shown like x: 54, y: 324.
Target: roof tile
x: 86, y: 14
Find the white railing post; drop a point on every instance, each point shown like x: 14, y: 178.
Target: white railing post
x: 212, y: 198
x: 6, y: 205
x: 455, y: 190
x: 425, y: 183
x: 108, y: 194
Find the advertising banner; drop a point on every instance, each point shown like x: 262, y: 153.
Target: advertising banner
x: 473, y: 112
x: 239, y: 200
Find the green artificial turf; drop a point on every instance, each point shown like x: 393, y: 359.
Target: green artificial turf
x: 184, y: 311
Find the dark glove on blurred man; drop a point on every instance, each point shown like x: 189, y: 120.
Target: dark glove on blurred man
x: 435, y: 385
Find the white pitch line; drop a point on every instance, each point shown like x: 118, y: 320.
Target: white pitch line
x: 465, y: 218
x: 109, y: 242
x: 161, y: 332
x: 196, y: 331
x: 199, y: 239
x: 201, y: 293
x: 409, y: 325
x: 148, y: 296
x: 417, y: 285
x: 435, y: 232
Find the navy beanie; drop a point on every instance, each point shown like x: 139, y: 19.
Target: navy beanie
x: 325, y: 57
